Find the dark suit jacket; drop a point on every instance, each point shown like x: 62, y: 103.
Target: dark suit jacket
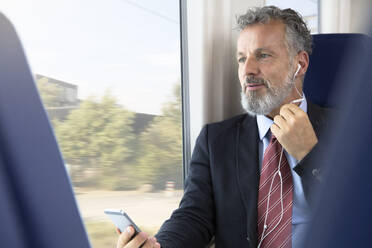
x: 220, y: 197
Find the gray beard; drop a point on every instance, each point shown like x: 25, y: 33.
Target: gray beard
x: 255, y: 104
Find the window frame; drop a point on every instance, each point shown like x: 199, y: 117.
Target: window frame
x: 185, y: 94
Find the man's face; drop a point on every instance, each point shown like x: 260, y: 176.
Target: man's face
x: 265, y: 68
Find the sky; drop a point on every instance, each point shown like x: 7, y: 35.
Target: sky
x: 130, y: 48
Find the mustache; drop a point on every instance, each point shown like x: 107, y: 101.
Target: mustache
x: 254, y: 80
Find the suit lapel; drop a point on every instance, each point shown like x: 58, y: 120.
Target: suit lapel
x: 248, y: 171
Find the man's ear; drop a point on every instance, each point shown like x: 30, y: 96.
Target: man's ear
x: 303, y: 61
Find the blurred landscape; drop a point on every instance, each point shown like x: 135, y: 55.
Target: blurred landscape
x: 117, y: 158
x: 147, y: 210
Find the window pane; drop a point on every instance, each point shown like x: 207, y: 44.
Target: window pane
x: 109, y: 76
x: 307, y: 8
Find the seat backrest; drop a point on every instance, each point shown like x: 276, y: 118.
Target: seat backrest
x: 37, y: 204
x: 343, y: 213
x: 329, y: 58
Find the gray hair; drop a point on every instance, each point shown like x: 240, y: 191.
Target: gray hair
x: 298, y: 36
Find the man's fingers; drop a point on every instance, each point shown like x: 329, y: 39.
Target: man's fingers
x: 294, y: 108
x: 275, y: 130
x: 287, y: 114
x: 138, y: 240
x: 151, y: 243
x: 125, y: 237
x: 280, y: 121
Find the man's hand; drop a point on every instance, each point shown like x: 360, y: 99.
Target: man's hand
x: 142, y: 238
x: 294, y: 131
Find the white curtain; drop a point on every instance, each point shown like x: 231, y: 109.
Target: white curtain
x: 344, y: 16
x: 213, y: 81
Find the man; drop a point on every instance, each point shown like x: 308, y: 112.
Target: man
x: 250, y: 176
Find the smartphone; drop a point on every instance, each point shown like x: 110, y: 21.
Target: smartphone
x: 121, y: 220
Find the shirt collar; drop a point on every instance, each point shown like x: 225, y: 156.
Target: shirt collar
x: 264, y: 123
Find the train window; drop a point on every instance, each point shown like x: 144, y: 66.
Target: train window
x: 109, y: 75
x: 307, y: 8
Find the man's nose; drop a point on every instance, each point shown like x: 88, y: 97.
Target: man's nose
x: 251, y: 67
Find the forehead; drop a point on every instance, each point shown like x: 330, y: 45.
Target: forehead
x: 270, y: 35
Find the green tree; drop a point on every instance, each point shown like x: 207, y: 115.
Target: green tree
x: 161, y: 146
x: 97, y: 137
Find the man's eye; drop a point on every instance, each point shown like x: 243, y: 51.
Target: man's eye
x: 241, y: 60
x: 264, y: 55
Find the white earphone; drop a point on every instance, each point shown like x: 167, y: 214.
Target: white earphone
x: 298, y: 69
x: 294, y: 76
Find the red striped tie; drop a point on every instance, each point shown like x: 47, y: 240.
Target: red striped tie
x: 275, y: 215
